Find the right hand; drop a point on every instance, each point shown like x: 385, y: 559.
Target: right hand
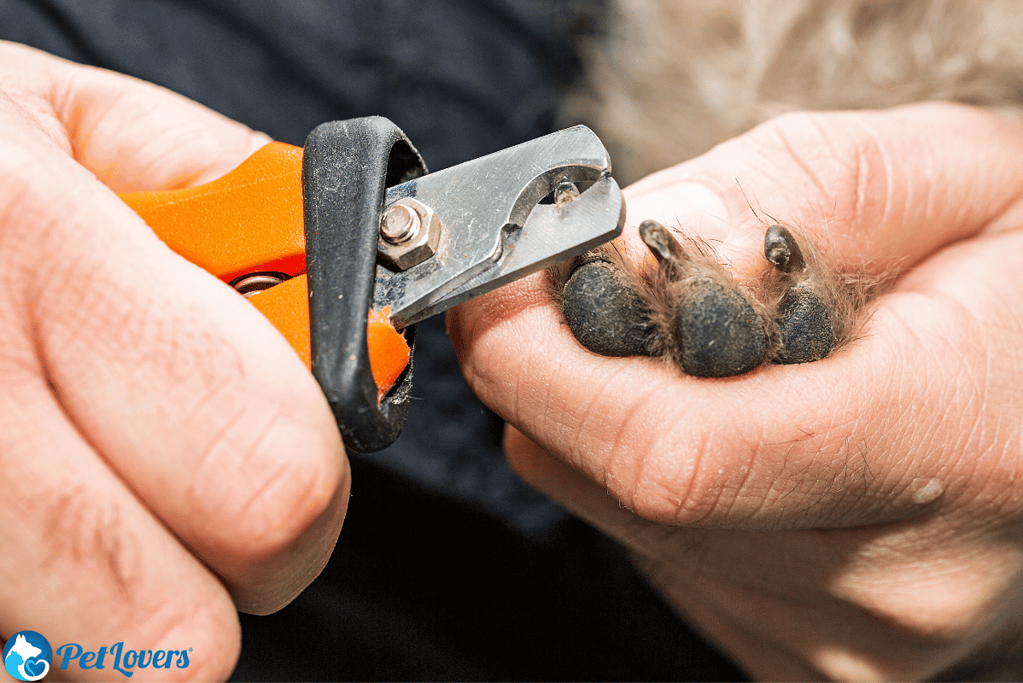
x: 165, y: 457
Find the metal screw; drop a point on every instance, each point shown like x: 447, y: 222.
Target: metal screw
x: 400, y: 223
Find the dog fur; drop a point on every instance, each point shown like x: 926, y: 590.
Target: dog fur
x: 669, y: 79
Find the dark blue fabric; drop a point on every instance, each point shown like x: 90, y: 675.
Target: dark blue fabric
x: 448, y: 566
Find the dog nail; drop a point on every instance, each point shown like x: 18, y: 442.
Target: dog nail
x: 782, y: 250
x: 668, y: 251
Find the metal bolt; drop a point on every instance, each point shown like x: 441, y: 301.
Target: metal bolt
x: 400, y: 223
x: 409, y: 233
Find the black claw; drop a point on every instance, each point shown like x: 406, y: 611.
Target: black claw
x: 719, y: 333
x: 668, y: 251
x: 604, y: 313
x: 806, y: 325
x: 782, y: 250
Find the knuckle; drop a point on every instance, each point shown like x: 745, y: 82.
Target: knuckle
x: 86, y: 531
x: 200, y: 635
x: 720, y: 489
x: 26, y: 219
x: 89, y: 533
x: 715, y: 477
x: 669, y: 477
x: 840, y: 161
x: 282, y: 477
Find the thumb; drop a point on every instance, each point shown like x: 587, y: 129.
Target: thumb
x: 855, y: 180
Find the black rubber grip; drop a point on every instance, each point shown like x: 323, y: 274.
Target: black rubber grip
x: 346, y: 169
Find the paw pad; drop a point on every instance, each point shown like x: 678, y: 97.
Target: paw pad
x: 604, y: 312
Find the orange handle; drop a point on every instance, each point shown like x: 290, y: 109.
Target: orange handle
x: 251, y: 221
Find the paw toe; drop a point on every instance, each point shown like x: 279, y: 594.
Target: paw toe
x: 719, y: 332
x: 604, y: 312
x: 806, y: 326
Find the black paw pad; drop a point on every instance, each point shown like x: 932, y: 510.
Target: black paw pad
x: 688, y: 308
x: 719, y: 333
x: 806, y: 326
x: 604, y: 312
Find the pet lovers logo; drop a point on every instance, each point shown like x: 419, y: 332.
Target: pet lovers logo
x: 28, y: 657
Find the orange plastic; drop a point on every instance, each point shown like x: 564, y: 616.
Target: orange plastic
x: 388, y: 351
x: 251, y: 221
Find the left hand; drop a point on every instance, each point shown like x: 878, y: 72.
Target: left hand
x: 858, y: 517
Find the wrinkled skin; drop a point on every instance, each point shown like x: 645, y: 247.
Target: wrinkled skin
x: 165, y: 457
x: 858, y: 517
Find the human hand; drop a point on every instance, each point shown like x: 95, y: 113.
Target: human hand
x: 165, y: 457
x: 858, y: 517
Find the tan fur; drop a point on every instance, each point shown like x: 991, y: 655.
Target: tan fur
x: 672, y: 78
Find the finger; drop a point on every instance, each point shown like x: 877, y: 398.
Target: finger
x: 133, y: 135
x: 567, y: 486
x: 706, y: 573
x: 187, y: 391
x: 771, y: 599
x: 837, y: 442
x: 84, y: 561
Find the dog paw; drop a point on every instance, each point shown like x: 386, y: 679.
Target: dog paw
x: 711, y: 326
x: 688, y: 308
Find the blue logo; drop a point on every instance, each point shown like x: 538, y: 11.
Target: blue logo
x: 27, y: 656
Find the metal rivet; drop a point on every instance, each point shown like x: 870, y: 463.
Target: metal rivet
x: 565, y: 192
x: 254, y: 283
